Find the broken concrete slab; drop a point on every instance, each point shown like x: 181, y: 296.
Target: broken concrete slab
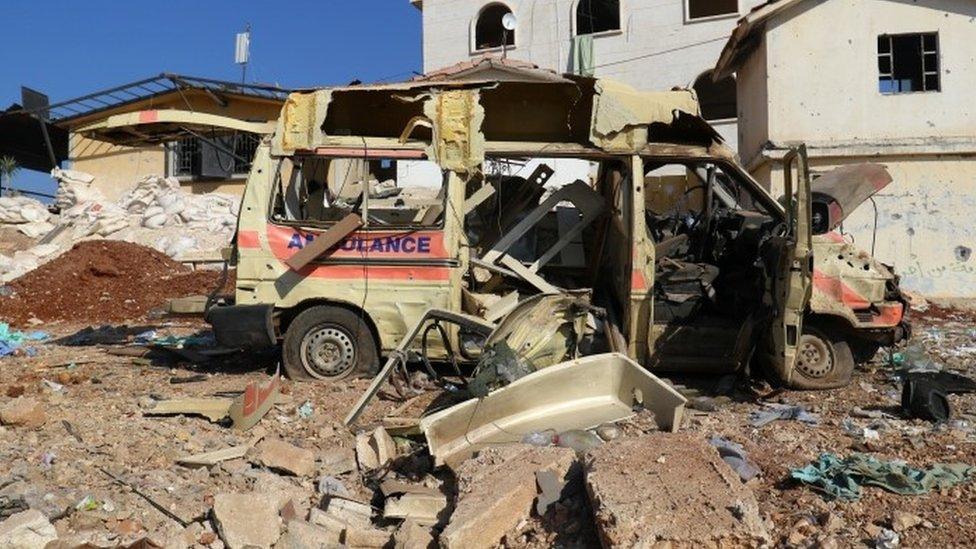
x: 208, y: 459
x: 579, y: 394
x: 670, y: 489
x: 304, y: 535
x: 392, y: 487
x: 245, y: 520
x: 411, y: 535
x: 337, y: 461
x: 214, y: 409
x: 366, y: 538
x: 350, y: 512
x: 496, y: 491
x: 281, y: 456
x: 27, y: 530
x: 375, y: 449
x: 280, y: 490
x: 23, y: 412
x: 422, y: 508
x: 358, y: 534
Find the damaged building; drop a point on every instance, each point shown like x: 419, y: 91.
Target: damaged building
x: 892, y: 85
x: 201, y: 158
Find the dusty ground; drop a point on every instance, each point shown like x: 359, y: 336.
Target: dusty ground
x: 95, y: 424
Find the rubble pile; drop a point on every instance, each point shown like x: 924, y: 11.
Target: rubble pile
x: 156, y: 213
x: 101, y: 281
x: 300, y: 478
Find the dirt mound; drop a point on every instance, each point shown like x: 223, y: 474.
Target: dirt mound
x: 102, y: 281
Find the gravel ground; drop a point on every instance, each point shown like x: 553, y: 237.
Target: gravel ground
x: 95, y: 424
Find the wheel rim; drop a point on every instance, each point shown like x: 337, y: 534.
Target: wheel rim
x: 328, y: 352
x: 814, y: 358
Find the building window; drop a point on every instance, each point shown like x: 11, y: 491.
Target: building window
x: 194, y: 157
x: 593, y: 16
x: 908, y: 63
x: 489, y: 31
x: 704, y: 9
x: 717, y: 99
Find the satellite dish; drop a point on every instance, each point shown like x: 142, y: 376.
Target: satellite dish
x: 509, y: 21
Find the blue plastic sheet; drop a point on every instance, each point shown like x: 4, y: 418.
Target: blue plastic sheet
x: 11, y: 340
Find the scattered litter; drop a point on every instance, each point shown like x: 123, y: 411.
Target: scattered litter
x: 842, y: 478
x: 331, y: 486
x: 736, y: 457
x: 540, y: 438
x: 887, y: 539
x: 12, y: 341
x: 56, y: 387
x: 773, y: 412
x: 608, y: 431
x: 87, y: 503
x: 579, y: 440
x: 305, y: 410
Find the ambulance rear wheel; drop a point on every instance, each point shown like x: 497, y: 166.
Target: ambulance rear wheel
x: 823, y: 360
x: 328, y: 343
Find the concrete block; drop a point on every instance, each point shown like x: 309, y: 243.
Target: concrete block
x: 26, y: 530
x: 281, y: 456
x: 245, y: 520
x: 672, y: 490
x: 496, y: 490
x: 23, y: 412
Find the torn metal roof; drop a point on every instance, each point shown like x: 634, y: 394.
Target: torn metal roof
x: 745, y: 36
x: 65, y: 112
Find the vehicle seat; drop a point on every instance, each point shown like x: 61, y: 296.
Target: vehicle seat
x: 682, y: 289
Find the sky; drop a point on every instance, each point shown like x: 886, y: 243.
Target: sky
x: 68, y: 48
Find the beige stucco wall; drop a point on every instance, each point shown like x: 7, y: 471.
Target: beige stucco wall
x: 925, y: 224
x: 117, y: 169
x: 823, y: 73
x: 814, y: 80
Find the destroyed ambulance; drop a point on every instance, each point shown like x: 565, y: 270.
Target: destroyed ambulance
x: 370, y: 205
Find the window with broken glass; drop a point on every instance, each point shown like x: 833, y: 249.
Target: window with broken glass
x: 385, y: 192
x: 908, y: 63
x: 212, y: 158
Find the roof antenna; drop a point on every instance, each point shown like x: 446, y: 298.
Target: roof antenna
x: 508, y: 23
x: 242, y: 50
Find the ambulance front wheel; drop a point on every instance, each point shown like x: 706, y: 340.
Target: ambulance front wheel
x: 328, y: 343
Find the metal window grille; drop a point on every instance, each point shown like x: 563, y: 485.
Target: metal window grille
x: 186, y: 153
x: 245, y: 145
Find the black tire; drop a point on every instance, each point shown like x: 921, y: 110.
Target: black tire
x: 823, y: 360
x: 863, y: 350
x: 327, y: 343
